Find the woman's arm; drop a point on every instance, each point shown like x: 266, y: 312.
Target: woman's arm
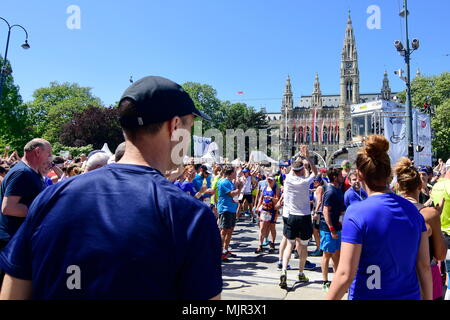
x: 319, y: 197
x: 424, y: 270
x: 348, y: 265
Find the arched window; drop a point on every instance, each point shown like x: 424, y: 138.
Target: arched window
x: 332, y: 135
x: 302, y: 136
x: 316, y: 134
x: 349, y: 91
x: 325, y: 135
x: 308, y: 135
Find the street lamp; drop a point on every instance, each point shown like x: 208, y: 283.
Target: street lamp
x: 406, y: 52
x: 25, y: 45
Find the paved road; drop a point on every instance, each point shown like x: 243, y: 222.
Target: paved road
x: 255, y: 277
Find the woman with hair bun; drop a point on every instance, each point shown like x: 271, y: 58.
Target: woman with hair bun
x: 410, y: 186
x: 384, y: 251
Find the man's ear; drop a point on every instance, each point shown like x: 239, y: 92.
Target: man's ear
x: 174, y: 124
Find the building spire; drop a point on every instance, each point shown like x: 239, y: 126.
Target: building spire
x: 288, y: 101
x: 386, y: 90
x: 349, y: 21
x: 317, y: 93
x: 418, y: 73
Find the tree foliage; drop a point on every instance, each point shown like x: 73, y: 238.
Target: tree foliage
x: 15, y: 124
x: 95, y: 126
x: 434, y: 90
x: 57, y: 104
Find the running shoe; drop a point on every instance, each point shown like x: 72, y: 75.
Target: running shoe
x: 326, y: 286
x: 309, y: 265
x: 296, y: 256
x: 317, y: 253
x: 225, y: 258
x: 259, y: 250
x: 302, y: 278
x: 280, y: 266
x: 231, y: 255
x: 266, y: 242
x: 283, y: 280
x: 253, y: 220
x: 272, y: 248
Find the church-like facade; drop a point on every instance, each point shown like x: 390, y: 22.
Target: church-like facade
x: 324, y: 121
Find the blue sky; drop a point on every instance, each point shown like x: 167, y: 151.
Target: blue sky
x: 233, y: 45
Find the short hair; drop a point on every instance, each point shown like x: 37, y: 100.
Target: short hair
x: 58, y: 160
x: 333, y: 174
x: 36, y: 143
x: 352, y: 173
x: 99, y: 159
x: 228, y: 171
x: 3, y: 170
x: 120, y: 151
x: 127, y: 108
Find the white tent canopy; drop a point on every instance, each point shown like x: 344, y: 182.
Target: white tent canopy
x: 106, y: 150
x: 259, y: 156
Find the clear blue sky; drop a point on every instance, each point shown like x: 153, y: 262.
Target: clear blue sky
x: 233, y: 45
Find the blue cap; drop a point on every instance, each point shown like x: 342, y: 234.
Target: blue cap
x: 245, y: 170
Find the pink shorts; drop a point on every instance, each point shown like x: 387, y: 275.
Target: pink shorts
x: 437, y: 282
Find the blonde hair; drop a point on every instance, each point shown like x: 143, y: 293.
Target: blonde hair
x: 408, y: 177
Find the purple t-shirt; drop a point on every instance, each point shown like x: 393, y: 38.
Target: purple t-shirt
x: 389, y: 228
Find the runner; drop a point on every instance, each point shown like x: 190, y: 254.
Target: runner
x: 330, y: 226
x: 299, y: 224
x: 410, y: 185
x: 268, y: 201
x: 317, y: 215
x: 227, y: 209
x: 384, y: 252
x: 356, y: 193
x: 441, y: 190
x: 122, y: 231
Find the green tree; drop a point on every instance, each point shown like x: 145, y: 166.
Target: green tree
x: 15, y: 124
x: 205, y: 99
x: 434, y: 90
x: 55, y: 105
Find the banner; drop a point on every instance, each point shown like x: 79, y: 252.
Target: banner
x: 422, y: 138
x: 201, y: 145
x: 395, y: 132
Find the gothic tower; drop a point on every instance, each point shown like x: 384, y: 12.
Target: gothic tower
x: 386, y: 90
x: 349, y: 93
x: 317, y: 94
x: 286, y: 135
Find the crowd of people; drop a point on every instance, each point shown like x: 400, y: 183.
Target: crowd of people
x: 386, y: 230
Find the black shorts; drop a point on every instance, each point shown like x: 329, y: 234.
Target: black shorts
x: 299, y: 227
x: 247, y: 197
x: 227, y: 220
x: 285, y: 221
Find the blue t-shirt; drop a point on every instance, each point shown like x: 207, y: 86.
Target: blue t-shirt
x: 198, y: 184
x: 351, y: 196
x: 24, y: 182
x: 225, y: 203
x: 177, y: 183
x: 129, y: 231
x: 188, y: 187
x: 389, y: 228
x: 334, y: 199
x: 262, y: 185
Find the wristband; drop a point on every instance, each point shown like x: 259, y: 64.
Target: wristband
x: 332, y: 229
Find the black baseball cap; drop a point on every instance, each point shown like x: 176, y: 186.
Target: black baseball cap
x: 157, y: 100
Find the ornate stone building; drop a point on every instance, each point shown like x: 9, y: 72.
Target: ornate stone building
x: 324, y: 121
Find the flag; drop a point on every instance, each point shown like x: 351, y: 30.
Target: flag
x: 321, y: 131
x: 337, y: 130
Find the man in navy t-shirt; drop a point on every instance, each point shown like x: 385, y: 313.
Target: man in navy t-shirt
x: 356, y: 193
x: 122, y: 231
x: 21, y: 186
